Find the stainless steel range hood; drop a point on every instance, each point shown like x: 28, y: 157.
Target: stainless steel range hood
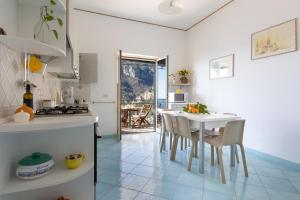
x: 63, y: 67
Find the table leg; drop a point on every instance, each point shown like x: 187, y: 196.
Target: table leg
x: 201, y: 150
x: 232, y: 155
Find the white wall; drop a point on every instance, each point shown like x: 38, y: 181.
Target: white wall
x: 8, y: 16
x: 266, y: 91
x: 105, y: 36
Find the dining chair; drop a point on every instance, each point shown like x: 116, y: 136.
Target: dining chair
x: 221, y: 131
x: 141, y: 118
x: 233, y: 135
x: 184, y: 130
x: 167, y: 128
x: 124, y: 118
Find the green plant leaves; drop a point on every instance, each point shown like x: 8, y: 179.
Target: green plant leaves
x: 55, y: 34
x: 49, y: 18
x: 53, y: 2
x: 60, y: 22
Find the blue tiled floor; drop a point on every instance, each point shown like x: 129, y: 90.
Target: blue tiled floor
x: 134, y: 169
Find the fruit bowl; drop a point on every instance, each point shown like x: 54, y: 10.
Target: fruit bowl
x: 196, y: 108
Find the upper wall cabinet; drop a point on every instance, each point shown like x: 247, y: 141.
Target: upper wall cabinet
x: 88, y: 69
x: 40, y: 23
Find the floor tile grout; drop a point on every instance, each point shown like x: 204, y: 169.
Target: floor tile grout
x: 158, y: 164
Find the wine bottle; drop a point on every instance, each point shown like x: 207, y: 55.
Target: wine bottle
x: 28, y: 97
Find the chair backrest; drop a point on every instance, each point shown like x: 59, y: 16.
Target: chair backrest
x: 168, y: 123
x: 146, y: 109
x: 234, y: 132
x: 183, y: 126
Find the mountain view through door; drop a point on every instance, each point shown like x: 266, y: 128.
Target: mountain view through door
x: 137, y: 95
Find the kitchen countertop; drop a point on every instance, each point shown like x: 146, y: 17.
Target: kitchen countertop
x: 9, y: 126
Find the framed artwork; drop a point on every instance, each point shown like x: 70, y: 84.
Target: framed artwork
x: 275, y: 40
x: 221, y: 67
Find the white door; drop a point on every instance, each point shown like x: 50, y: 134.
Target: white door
x: 161, y: 86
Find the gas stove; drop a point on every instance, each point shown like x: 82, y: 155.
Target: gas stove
x: 63, y: 110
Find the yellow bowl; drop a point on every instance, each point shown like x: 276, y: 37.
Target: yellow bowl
x: 73, y: 161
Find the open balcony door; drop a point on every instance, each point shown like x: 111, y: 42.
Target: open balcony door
x: 119, y: 97
x: 162, y: 87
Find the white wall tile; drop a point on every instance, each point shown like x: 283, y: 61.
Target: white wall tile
x: 11, y: 87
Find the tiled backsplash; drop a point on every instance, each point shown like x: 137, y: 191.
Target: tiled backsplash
x: 11, y: 83
x: 81, y: 91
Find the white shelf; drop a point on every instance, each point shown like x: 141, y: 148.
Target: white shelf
x: 181, y: 84
x: 59, y: 175
x: 24, y: 45
x: 60, y: 6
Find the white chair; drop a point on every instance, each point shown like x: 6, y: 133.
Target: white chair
x: 221, y: 131
x: 233, y: 135
x: 183, y: 130
x: 167, y: 128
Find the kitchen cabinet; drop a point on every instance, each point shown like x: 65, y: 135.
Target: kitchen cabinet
x: 58, y: 136
x: 29, y: 15
x: 88, y: 69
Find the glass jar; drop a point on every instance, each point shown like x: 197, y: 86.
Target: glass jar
x: 42, y: 31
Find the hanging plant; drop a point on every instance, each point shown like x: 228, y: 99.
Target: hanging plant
x: 43, y: 26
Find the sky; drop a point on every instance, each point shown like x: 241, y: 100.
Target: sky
x: 162, y: 83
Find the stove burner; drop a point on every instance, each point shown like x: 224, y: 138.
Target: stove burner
x: 63, y: 110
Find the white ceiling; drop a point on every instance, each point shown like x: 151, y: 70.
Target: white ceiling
x: 147, y: 10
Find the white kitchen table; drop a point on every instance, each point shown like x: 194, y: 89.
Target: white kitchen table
x: 213, y: 120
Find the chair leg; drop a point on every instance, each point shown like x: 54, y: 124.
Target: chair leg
x: 221, y: 165
x: 181, y: 143
x: 236, y: 154
x: 174, y: 147
x: 218, y: 155
x: 191, y: 156
x: 212, y: 155
x: 165, y: 139
x: 162, y: 142
x: 171, y: 140
x: 196, y: 149
x: 244, y: 159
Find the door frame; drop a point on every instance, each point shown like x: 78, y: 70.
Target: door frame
x: 167, y: 86
x: 119, y: 132
x: 121, y: 56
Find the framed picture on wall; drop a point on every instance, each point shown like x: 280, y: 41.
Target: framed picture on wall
x: 275, y: 40
x: 221, y: 67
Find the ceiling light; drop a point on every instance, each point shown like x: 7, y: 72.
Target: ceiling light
x: 170, y: 7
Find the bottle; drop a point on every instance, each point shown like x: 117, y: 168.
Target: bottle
x: 28, y: 97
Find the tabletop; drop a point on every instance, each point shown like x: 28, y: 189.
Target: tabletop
x: 212, y: 117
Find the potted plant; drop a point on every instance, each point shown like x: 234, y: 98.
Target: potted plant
x: 183, y: 75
